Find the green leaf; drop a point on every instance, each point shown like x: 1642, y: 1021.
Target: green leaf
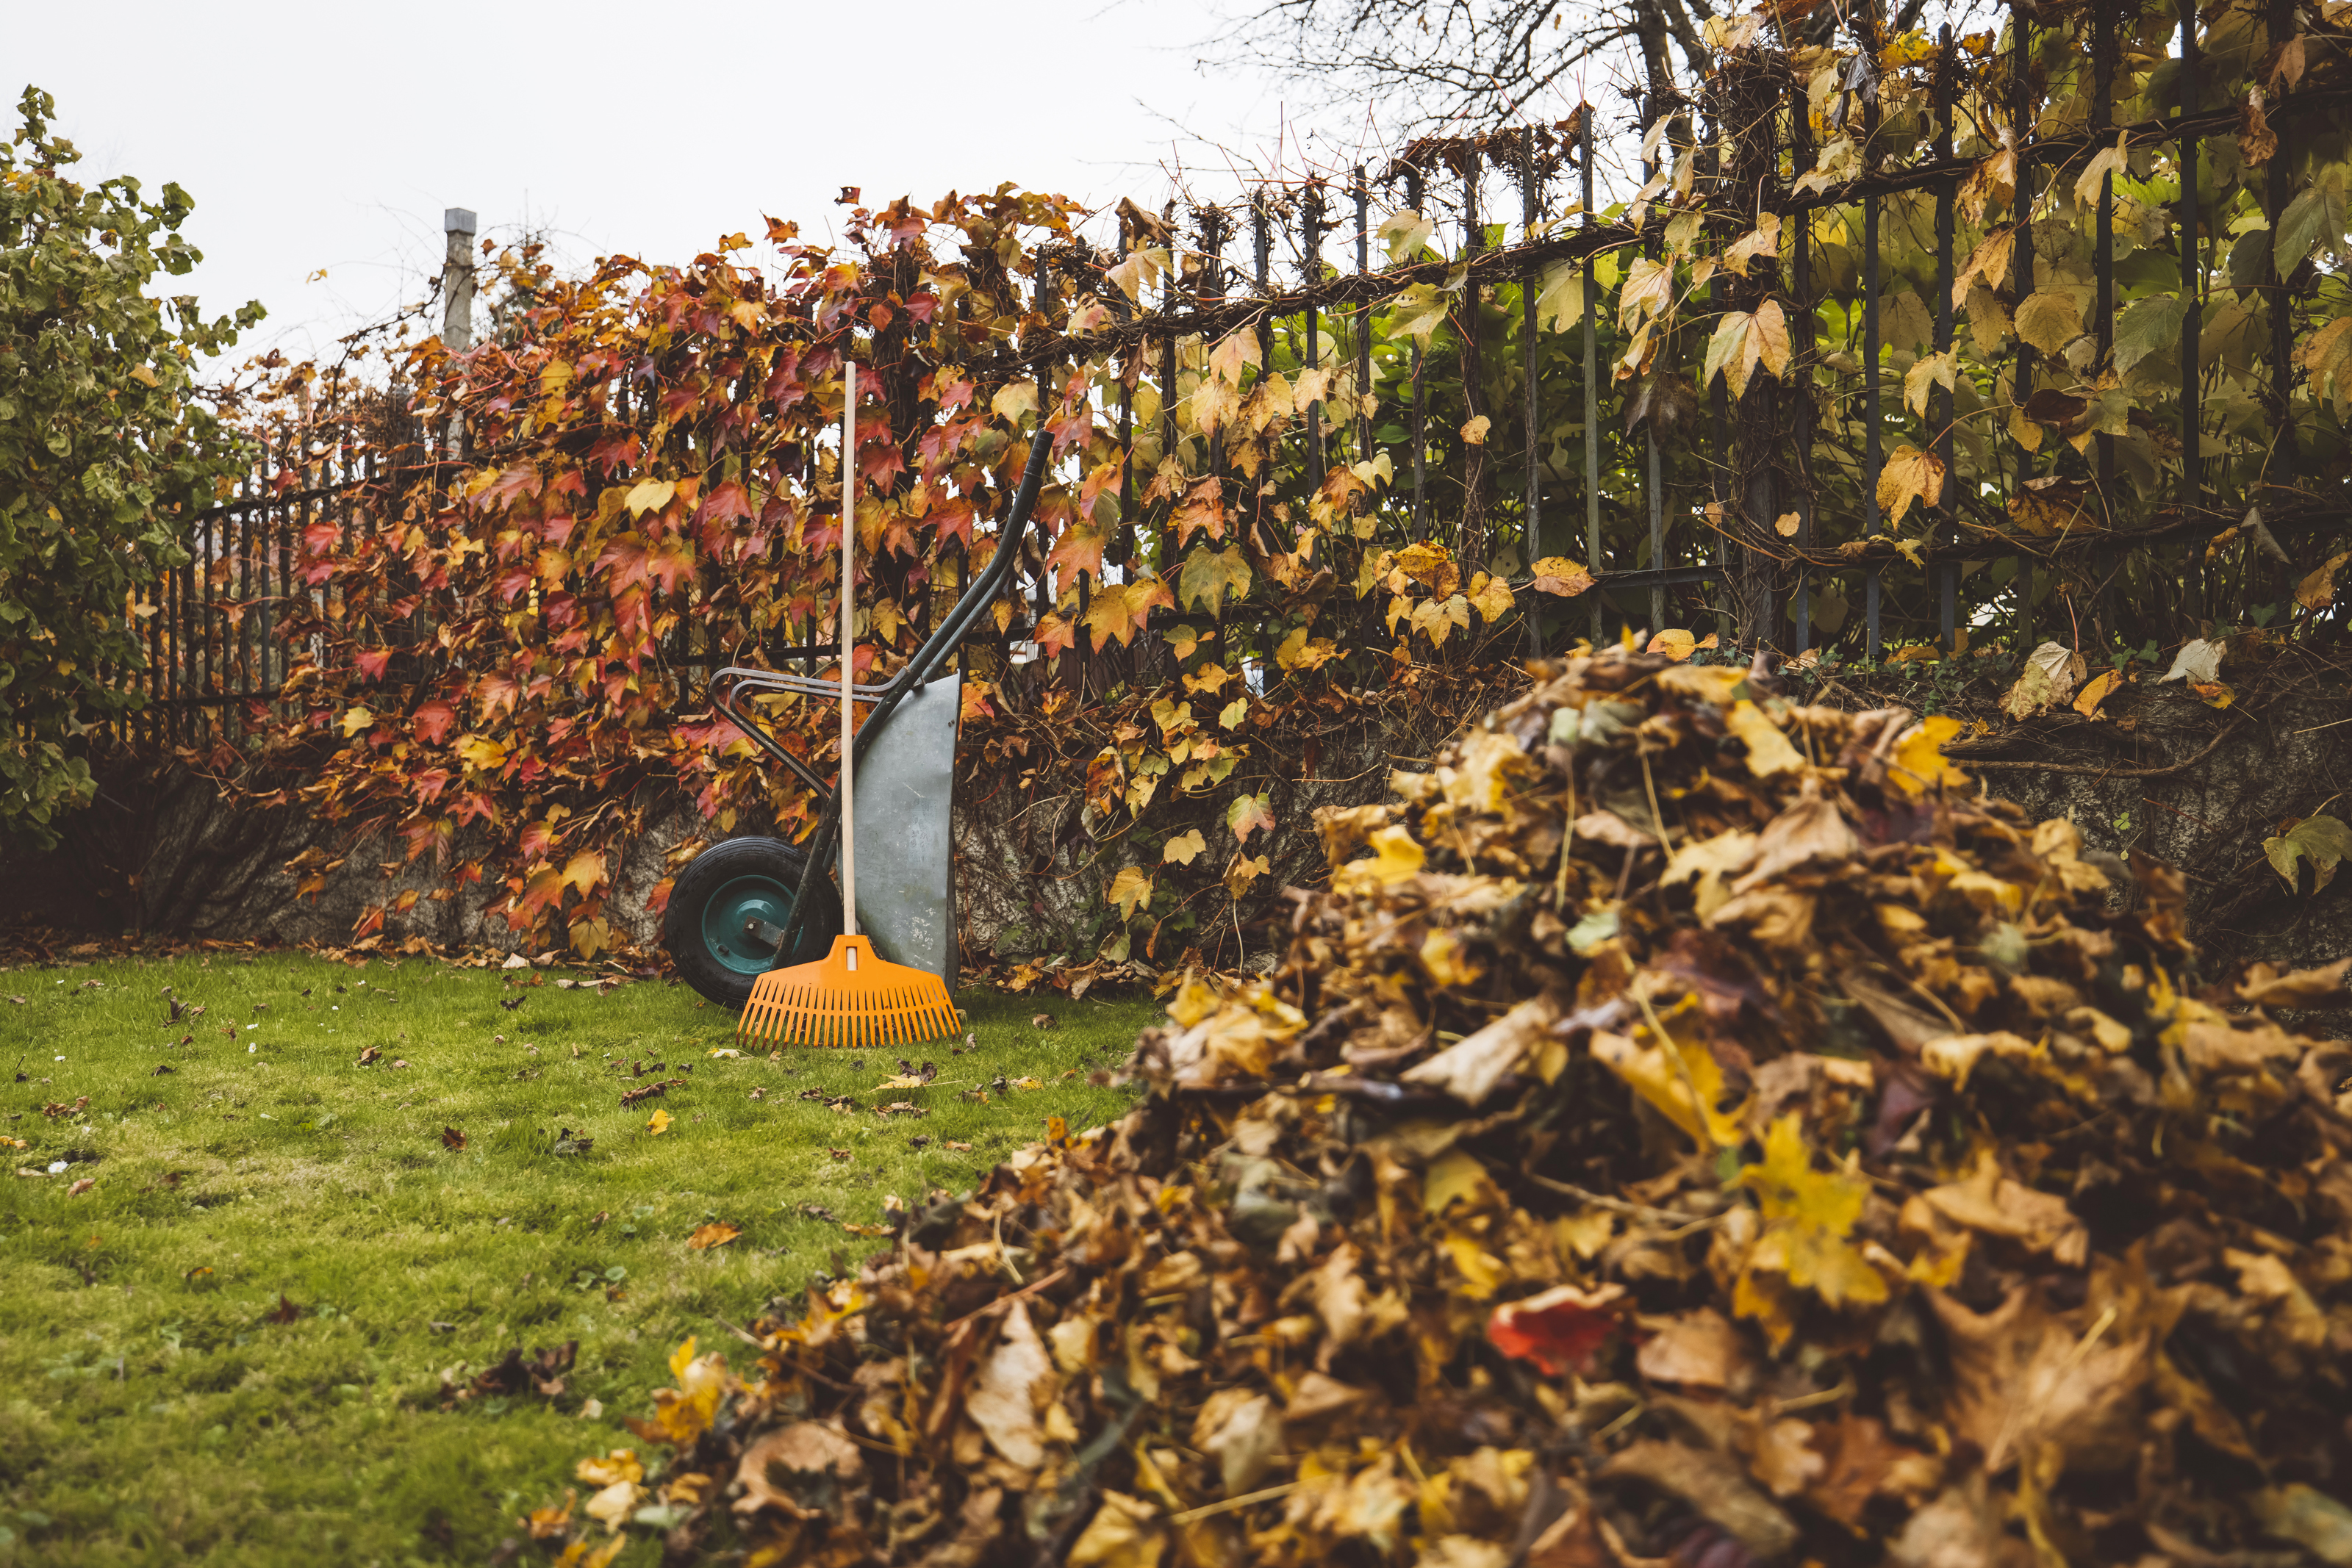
x: 2321, y: 840
x: 2146, y: 326
x: 1206, y: 577
x: 1560, y: 304
x: 2316, y: 215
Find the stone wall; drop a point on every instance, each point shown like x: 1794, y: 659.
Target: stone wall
x: 160, y: 854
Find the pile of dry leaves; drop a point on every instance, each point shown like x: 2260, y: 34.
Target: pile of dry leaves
x: 1817, y: 1162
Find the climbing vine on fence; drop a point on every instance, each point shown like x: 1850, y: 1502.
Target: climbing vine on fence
x: 1904, y: 346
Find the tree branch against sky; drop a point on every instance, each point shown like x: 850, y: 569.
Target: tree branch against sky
x: 1430, y: 63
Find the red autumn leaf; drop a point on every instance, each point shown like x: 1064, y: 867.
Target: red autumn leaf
x: 1203, y: 509
x: 624, y: 561
x: 1079, y: 549
x: 372, y: 662
x: 671, y: 561
x: 1558, y: 1330
x: 1054, y: 635
x: 433, y: 721
x: 511, y: 487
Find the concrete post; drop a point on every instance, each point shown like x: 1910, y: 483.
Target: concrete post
x: 457, y: 280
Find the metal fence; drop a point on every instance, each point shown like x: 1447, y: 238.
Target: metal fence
x: 1757, y: 513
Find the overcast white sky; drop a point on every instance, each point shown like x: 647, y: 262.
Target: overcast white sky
x: 323, y: 137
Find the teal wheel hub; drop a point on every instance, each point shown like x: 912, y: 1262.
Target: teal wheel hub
x: 727, y: 915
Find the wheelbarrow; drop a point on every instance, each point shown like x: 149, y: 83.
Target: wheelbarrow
x: 750, y: 903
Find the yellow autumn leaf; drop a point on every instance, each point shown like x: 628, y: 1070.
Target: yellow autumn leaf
x: 2098, y: 691
x: 1482, y: 1272
x: 1473, y: 432
x: 359, y: 718
x: 1910, y: 475
x: 1768, y: 750
x: 1930, y: 371
x: 1559, y: 575
x: 1807, y: 1215
x: 1490, y: 597
x: 649, y: 495
x: 1013, y: 400
x: 1299, y: 652
x: 585, y: 871
x: 1395, y: 856
x: 1244, y: 871
x: 481, y: 752
x: 2106, y: 161
x: 2317, y: 590
x: 1919, y: 764
x: 1184, y: 848
x: 1445, y: 961
x: 659, y: 1124
x: 1673, y: 642
x: 1654, y: 1075
x: 1129, y: 890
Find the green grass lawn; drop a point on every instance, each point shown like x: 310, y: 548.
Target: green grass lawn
x: 238, y: 1345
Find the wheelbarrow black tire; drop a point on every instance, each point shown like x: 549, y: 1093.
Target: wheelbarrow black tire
x: 732, y: 880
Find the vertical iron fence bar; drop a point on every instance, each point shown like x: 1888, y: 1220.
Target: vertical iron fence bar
x: 1939, y: 403
x: 1591, y: 375
x: 1801, y: 294
x: 2280, y: 466
x: 1310, y: 224
x: 2020, y: 385
x: 209, y: 670
x: 1530, y: 206
x: 2192, y: 492
x: 1719, y: 467
x: 246, y: 679
x: 2102, y: 70
x: 1211, y: 284
x: 1123, y: 553
x: 1415, y: 189
x: 1873, y: 456
x: 151, y: 683
x: 1171, y: 295
x: 1651, y: 110
x: 1364, y: 316
x: 1476, y: 483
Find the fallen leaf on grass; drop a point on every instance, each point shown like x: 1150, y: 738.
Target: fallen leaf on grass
x: 452, y: 1139
x: 285, y: 1313
x: 161, y: 1069
x: 80, y: 1186
x: 718, y: 1233
x: 659, y: 1124
x: 1043, y: 1020
x: 959, y: 1148
x: 869, y: 1231
x: 838, y: 1154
